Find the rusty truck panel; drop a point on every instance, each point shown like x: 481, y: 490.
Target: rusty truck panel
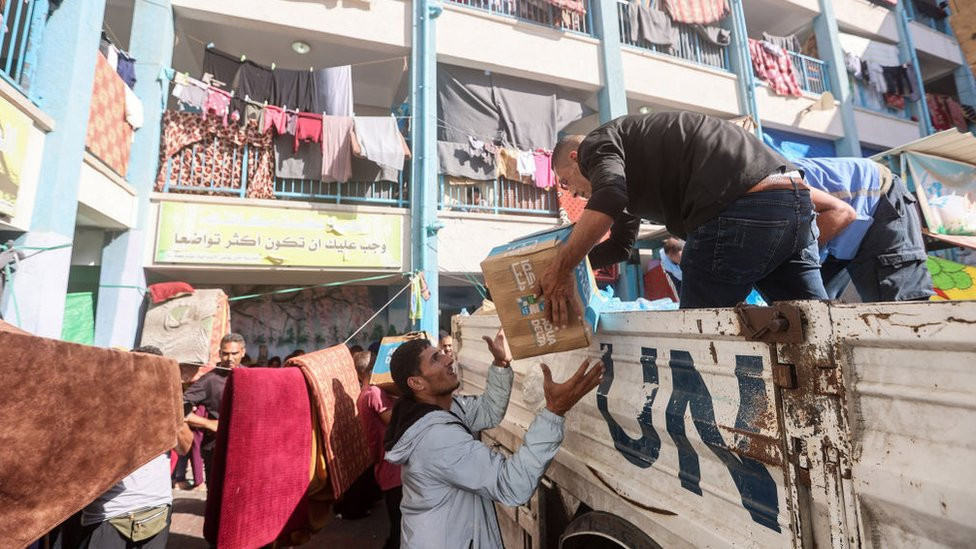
x: 807, y: 424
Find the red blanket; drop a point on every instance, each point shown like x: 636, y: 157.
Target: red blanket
x: 262, y: 459
x: 334, y: 388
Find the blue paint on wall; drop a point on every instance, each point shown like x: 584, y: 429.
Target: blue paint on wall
x: 643, y: 451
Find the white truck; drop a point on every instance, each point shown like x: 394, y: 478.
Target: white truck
x: 804, y: 424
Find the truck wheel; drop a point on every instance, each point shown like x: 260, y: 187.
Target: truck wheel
x: 599, y: 530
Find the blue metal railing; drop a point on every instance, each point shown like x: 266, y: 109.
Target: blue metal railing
x: 811, y: 72
x: 533, y: 12
x: 867, y: 99
x: 498, y: 196
x: 193, y: 179
x: 691, y: 46
x: 15, y: 29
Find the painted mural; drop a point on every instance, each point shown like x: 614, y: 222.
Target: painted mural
x: 315, y: 318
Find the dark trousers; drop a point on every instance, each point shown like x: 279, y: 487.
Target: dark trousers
x: 105, y: 536
x: 392, y: 499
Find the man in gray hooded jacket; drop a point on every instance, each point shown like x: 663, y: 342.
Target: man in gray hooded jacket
x: 451, y: 479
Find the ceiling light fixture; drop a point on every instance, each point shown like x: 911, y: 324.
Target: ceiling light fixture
x: 301, y: 48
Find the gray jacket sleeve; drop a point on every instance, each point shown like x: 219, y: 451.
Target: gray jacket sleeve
x: 488, y: 410
x: 456, y: 458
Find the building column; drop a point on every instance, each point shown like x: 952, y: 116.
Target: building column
x: 62, y: 87
x: 741, y: 64
x: 965, y: 84
x: 119, y: 295
x: 613, y: 95
x: 829, y: 49
x: 423, y: 130
x: 907, y: 54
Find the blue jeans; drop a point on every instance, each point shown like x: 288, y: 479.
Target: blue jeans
x: 765, y: 239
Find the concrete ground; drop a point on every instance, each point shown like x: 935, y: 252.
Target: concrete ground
x: 186, y: 531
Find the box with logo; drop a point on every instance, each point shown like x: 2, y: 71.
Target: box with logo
x: 512, y: 274
x: 381, y: 368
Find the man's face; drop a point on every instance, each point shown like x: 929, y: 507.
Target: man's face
x: 571, y: 179
x: 438, y: 371
x: 447, y: 345
x: 231, y: 354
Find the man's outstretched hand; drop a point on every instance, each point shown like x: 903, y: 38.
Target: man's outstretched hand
x: 499, y: 349
x: 561, y: 397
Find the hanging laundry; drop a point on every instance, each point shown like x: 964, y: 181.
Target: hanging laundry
x: 367, y: 171
x: 305, y: 163
x: 483, y: 149
x: 294, y: 89
x: 526, y: 164
x: 127, y: 69
x: 853, y: 63
x: 788, y: 42
x: 703, y: 12
x: 773, y: 65
x: 897, y: 80
x: 968, y: 112
x: 508, y: 165
x: 956, y: 114
x: 714, y: 35
x: 938, y: 112
x: 252, y: 113
x: 544, y: 177
x: 255, y: 82
x: 380, y: 140
x: 650, y: 24
x: 876, y: 77
x: 200, y: 152
x: 894, y: 101
x: 218, y: 103
x: 221, y: 65
x: 108, y: 137
x: 333, y: 91
x: 193, y: 95
x: 455, y: 159
x: 575, y: 6
x: 336, y: 148
x: 113, y: 57
x: 930, y: 8
x: 308, y: 128
x: 134, y: 113
x: 273, y: 117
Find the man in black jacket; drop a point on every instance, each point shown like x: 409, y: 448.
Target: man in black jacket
x: 745, y: 212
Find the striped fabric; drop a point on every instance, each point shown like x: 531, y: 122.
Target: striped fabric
x: 703, y: 12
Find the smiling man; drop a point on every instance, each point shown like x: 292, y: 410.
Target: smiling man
x: 745, y: 212
x: 450, y: 478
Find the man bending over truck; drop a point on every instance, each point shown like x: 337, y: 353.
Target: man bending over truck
x: 882, y: 248
x: 744, y: 211
x: 450, y: 478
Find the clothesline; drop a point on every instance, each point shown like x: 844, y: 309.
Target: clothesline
x: 209, y: 45
x: 447, y: 126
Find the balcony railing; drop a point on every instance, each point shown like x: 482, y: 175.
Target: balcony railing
x: 941, y: 25
x: 811, y: 72
x: 498, y: 196
x: 15, y: 30
x: 536, y: 12
x: 690, y: 47
x: 352, y: 192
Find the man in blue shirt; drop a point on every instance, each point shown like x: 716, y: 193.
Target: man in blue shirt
x: 882, y: 247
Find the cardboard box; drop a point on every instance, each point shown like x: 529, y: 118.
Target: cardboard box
x: 381, y: 369
x: 512, y: 274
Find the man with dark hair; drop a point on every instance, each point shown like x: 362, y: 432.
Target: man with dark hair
x: 744, y: 210
x: 450, y: 478
x: 375, y: 408
x: 136, y: 512
x: 208, y: 390
x: 446, y: 343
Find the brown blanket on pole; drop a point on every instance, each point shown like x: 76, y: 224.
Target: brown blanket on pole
x: 76, y: 420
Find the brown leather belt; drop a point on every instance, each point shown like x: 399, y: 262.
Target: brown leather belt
x: 779, y: 182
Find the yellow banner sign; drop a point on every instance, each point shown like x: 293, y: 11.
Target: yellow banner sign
x: 256, y: 235
x: 14, y: 132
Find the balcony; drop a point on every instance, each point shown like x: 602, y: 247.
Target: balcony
x: 690, y: 46
x: 15, y: 31
x: 541, y: 13
x: 811, y: 72
x: 498, y: 196
x: 934, y: 23
x: 865, y: 98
